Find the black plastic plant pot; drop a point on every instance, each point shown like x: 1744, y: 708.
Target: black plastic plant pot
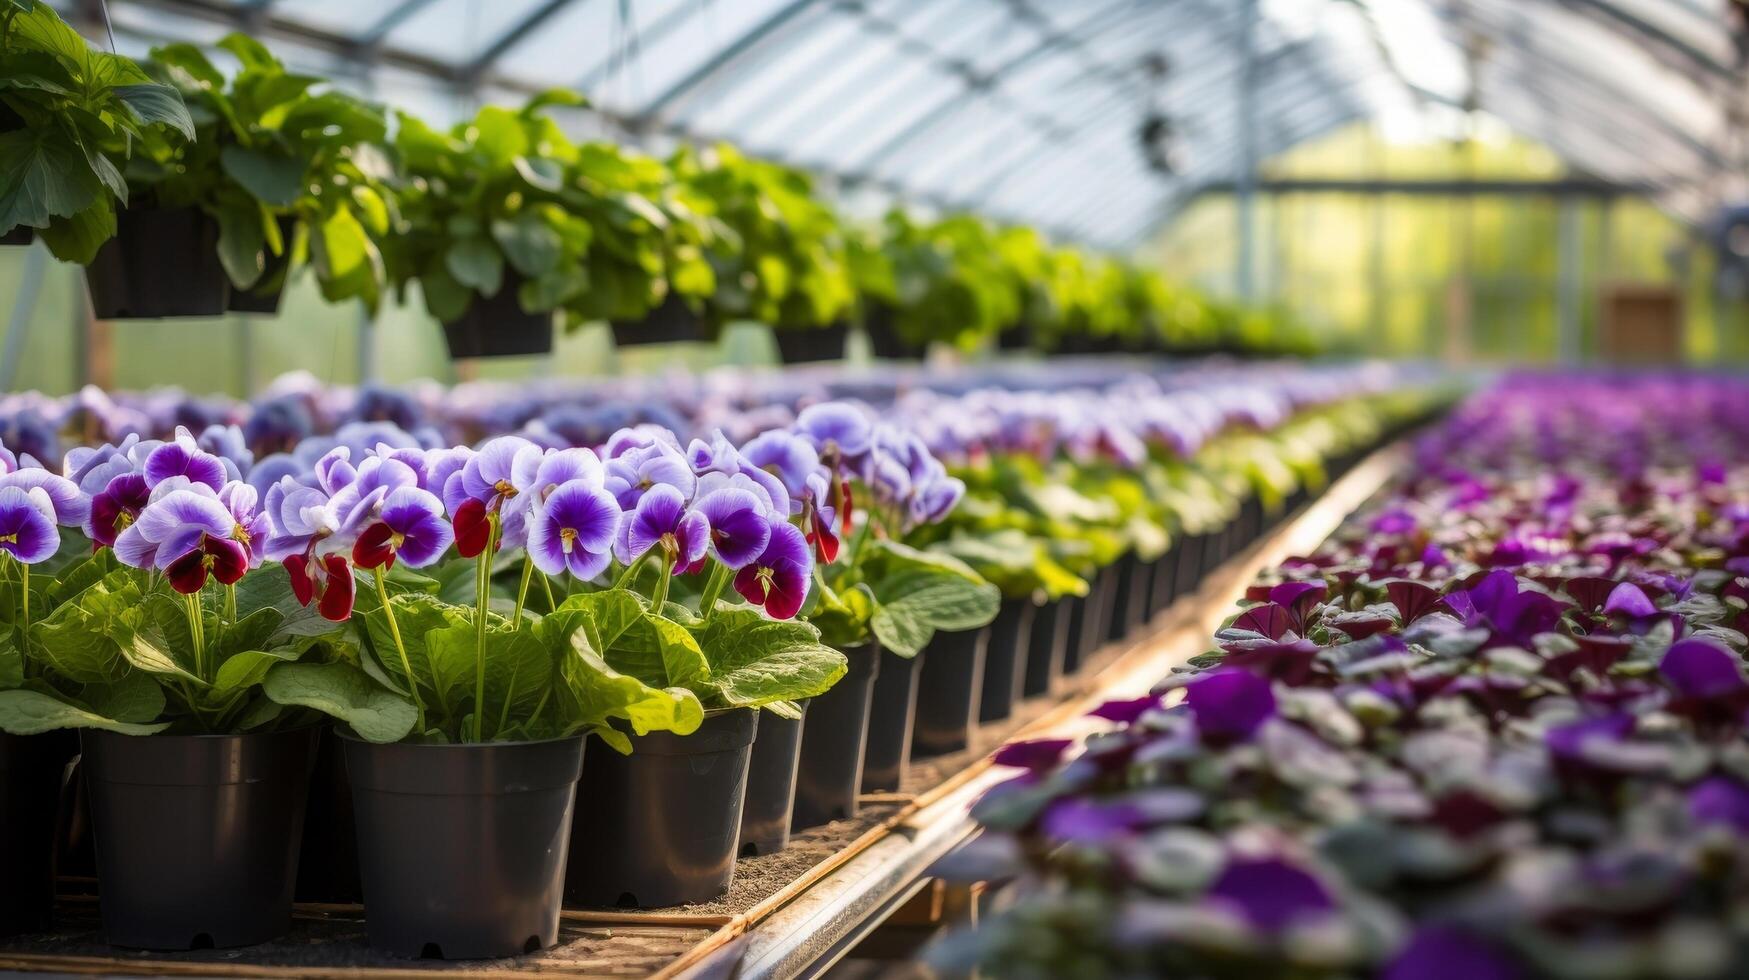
x: 808, y: 345
x: 891, y: 722
x: 950, y: 686
x: 1117, y: 625
x: 462, y: 846
x: 771, y: 784
x: 881, y: 324
x: 661, y: 826
x: 1046, y: 649
x: 22, y: 235
x: 1163, y: 585
x: 197, y: 835
x: 1190, y: 554
x: 33, y: 769
x: 1005, y: 661
x: 1075, y: 613
x: 268, y: 290
x: 834, y: 743
x: 673, y: 322
x: 1096, y: 618
x: 161, y: 262
x: 1137, y: 584
x: 328, y: 862
x: 498, y: 326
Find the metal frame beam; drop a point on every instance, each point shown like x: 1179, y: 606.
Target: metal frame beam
x: 487, y: 59
x: 740, y: 47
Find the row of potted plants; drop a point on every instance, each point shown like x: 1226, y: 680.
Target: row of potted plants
x: 1492, y: 728
x: 187, y: 191
x: 462, y: 616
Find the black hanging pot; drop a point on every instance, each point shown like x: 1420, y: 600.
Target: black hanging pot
x: 161, y: 262
x: 462, y: 846
x: 659, y: 827
x: 1005, y: 660
x: 834, y: 743
x: 497, y: 325
x: 881, y: 324
x: 264, y: 296
x: 771, y: 784
x: 807, y: 345
x: 891, y: 722
x: 1046, y: 648
x: 328, y: 865
x: 672, y: 322
x: 33, y: 769
x: 197, y: 835
x: 949, y: 687
x: 1018, y: 336
x: 21, y: 235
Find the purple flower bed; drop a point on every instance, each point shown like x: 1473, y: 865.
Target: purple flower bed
x: 1493, y: 728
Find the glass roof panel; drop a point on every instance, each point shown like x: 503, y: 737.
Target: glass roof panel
x: 459, y: 31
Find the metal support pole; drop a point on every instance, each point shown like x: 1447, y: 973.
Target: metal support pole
x: 1567, y: 291
x: 36, y: 261
x: 1246, y: 183
x: 367, y: 346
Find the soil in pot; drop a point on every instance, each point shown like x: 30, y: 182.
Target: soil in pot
x: 949, y: 686
x: 328, y: 861
x: 497, y: 326
x: 834, y: 742
x: 807, y: 345
x: 1005, y: 660
x: 264, y: 296
x: 33, y: 769
x: 197, y: 835
x: 462, y: 847
x: 891, y: 721
x: 161, y: 262
x: 672, y: 322
x: 771, y: 784
x: 1046, y: 648
x: 660, y: 827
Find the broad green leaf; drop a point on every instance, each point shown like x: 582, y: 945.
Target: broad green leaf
x: 152, y: 103
x: 43, y: 175
x: 77, y: 238
x: 757, y: 661
x: 531, y: 245
x: 24, y: 712
x: 246, y: 669
x: 137, y: 698
x: 912, y: 605
x: 11, y: 662
x: 241, y: 245
x: 342, y: 691
x: 476, y: 263
x: 275, y: 178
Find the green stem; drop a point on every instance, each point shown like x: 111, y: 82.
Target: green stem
x: 231, y: 603
x: 485, y: 598
x: 547, y: 584
x: 631, y: 572
x: 713, y: 590
x: 400, y: 648
x: 660, y: 597
x: 522, y: 592
x: 861, y: 536
x: 197, y: 630
x: 24, y: 587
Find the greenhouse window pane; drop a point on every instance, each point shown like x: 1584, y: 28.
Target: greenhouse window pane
x: 458, y: 31
x: 346, y: 18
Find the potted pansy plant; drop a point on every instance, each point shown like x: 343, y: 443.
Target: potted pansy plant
x: 155, y: 633
x: 877, y: 598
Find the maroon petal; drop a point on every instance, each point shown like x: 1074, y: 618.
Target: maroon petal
x: 374, y: 550
x: 188, y: 573
x: 472, y: 528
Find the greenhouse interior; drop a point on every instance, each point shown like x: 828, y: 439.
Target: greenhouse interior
x: 882, y: 489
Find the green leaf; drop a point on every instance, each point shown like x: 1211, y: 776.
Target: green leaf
x: 757, y: 661
x: 145, y: 652
x: 137, y: 698
x: 78, y: 640
x: 11, y: 662
x: 152, y: 103
x: 657, y: 651
x: 476, y: 264
x: 77, y: 238
x: 914, y: 604
x: 500, y: 134
x: 242, y: 242
x: 342, y: 691
x: 531, y: 245
x: 26, y: 712
x: 43, y: 175
x: 276, y: 178
x: 246, y: 669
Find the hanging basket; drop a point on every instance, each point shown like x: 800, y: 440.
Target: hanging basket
x: 882, y: 326
x: 497, y: 326
x: 161, y: 262
x: 265, y: 295
x: 671, y: 323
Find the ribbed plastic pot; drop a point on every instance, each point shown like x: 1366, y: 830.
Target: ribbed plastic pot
x: 661, y: 826
x: 1096, y: 620
x: 1163, y: 586
x: 1005, y: 660
x: 33, y: 769
x: 197, y: 835
x: 1190, y: 555
x: 670, y: 323
x: 1074, y: 655
x: 161, y: 262
x: 497, y: 326
x: 771, y: 784
x: 328, y: 862
x: 892, y: 717
x: 834, y: 743
x: 949, y: 687
x: 462, y: 846
x: 1138, y: 589
x: 1046, y: 648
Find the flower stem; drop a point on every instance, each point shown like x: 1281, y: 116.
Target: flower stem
x: 631, y: 572
x: 659, y: 598
x: 547, y: 584
x: 713, y: 590
x: 400, y: 648
x: 197, y: 630
x: 24, y: 588
x: 522, y: 592
x: 231, y: 603
x: 485, y: 597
